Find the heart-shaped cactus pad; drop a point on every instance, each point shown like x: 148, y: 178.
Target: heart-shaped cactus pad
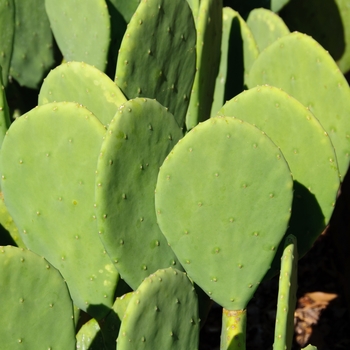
x: 223, y: 200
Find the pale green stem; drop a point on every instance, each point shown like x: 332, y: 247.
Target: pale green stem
x: 233, y: 331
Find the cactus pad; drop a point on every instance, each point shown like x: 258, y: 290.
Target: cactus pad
x: 209, y: 35
x: 266, y: 27
x: 32, y: 54
x: 84, y: 84
x: 223, y: 201
x: 307, y: 149
x: 136, y: 144
x: 157, y: 56
x: 299, y: 65
x: 82, y: 32
x: 36, y: 302
x: 162, y: 314
x: 49, y: 158
x: 287, y: 298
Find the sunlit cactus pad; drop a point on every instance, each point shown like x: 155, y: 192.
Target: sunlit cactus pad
x: 49, y: 158
x: 84, y: 84
x: 161, y: 314
x: 307, y: 149
x: 223, y: 201
x: 300, y: 66
x: 157, y: 57
x: 138, y: 139
x: 35, y: 303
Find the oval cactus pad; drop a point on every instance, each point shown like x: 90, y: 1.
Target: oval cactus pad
x: 36, y: 302
x: 223, y: 201
x: 162, y: 314
x: 157, y: 56
x: 300, y: 66
x: 49, y: 158
x: 307, y: 149
x: 138, y: 139
x: 84, y: 84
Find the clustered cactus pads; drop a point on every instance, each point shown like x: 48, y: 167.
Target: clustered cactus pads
x: 55, y: 214
x: 100, y: 180
x: 138, y: 139
x: 306, y: 145
x: 289, y: 63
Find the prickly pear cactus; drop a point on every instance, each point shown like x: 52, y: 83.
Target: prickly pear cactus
x: 162, y: 314
x: 8, y: 224
x: 36, y: 302
x: 84, y: 84
x: 7, y: 31
x: 137, y: 141
x: 287, y: 298
x: 266, y: 27
x: 90, y: 337
x: 157, y: 56
x: 209, y: 34
x: 4, y: 111
x: 48, y: 165
x: 238, y: 52
x: 223, y: 201
x: 299, y: 65
x: 82, y: 32
x: 308, y: 151
x: 32, y: 54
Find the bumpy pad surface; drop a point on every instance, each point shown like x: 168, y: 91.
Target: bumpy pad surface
x: 82, y: 31
x: 36, y: 302
x: 301, y: 67
x: 223, y: 201
x: 84, y: 84
x: 157, y: 57
x: 266, y: 27
x: 307, y: 149
x: 136, y: 144
x: 162, y: 314
x: 49, y: 160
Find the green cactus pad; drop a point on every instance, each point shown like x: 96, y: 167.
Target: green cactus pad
x: 84, y: 84
x: 36, y: 302
x: 194, y: 4
x: 299, y: 65
x: 223, y: 201
x: 32, y: 54
x: 238, y: 52
x: 209, y: 35
x: 136, y: 144
x: 8, y: 224
x: 162, y: 314
x: 49, y: 158
x: 277, y: 5
x: 266, y: 27
x: 111, y: 323
x: 82, y: 32
x: 287, y: 298
x: 5, y: 120
x: 157, y: 56
x: 7, y: 31
x: 90, y: 337
x: 344, y: 11
x: 307, y: 149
